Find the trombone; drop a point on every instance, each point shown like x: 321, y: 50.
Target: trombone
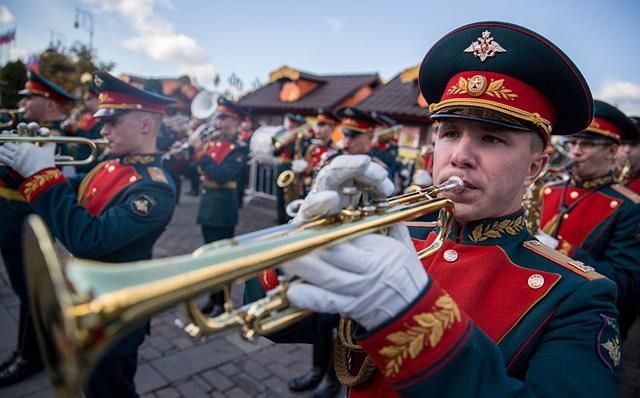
x: 35, y: 134
x: 82, y: 307
x: 13, y: 114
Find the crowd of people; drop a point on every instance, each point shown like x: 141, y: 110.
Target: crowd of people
x: 500, y: 310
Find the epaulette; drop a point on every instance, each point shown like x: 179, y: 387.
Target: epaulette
x: 157, y: 174
x: 627, y: 193
x: 576, y: 266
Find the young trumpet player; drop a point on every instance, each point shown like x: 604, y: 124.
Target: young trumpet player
x: 494, y: 312
x: 115, y: 213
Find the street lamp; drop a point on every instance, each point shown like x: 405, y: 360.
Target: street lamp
x: 84, y: 19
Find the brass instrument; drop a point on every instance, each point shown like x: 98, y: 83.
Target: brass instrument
x: 73, y: 118
x: 203, y: 132
x: 82, y: 307
x: 386, y: 133
x: 625, y: 173
x: 35, y: 134
x: 291, y: 182
x: 557, y: 169
x: 13, y: 116
x: 284, y: 136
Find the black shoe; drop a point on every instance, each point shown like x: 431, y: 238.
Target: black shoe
x: 19, y: 370
x: 328, y: 389
x: 5, y: 364
x: 307, y: 381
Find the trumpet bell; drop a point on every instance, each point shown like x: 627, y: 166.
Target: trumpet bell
x: 204, y: 104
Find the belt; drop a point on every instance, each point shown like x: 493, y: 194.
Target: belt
x: 215, y: 185
x: 11, y: 194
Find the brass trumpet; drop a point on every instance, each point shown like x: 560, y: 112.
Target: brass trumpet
x: 83, y: 307
x: 35, y: 134
x: 282, y: 137
x: 13, y: 116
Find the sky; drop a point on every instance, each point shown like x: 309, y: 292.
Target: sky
x: 202, y: 38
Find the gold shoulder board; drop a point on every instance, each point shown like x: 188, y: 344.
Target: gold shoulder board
x: 576, y: 266
x: 627, y: 193
x: 157, y: 174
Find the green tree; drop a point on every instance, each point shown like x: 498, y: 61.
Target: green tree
x: 15, y: 74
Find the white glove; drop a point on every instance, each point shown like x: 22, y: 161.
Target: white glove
x: 326, y: 196
x: 370, y: 279
x: 299, y: 165
x: 422, y: 177
x: 547, y: 239
x: 26, y: 158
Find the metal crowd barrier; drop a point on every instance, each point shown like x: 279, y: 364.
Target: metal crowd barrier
x: 262, y: 179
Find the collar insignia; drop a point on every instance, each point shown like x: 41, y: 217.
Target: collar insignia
x: 485, y: 47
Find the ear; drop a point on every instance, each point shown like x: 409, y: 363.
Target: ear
x: 538, y: 162
x: 146, y: 125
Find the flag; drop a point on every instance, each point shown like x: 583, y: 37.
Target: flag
x: 33, y: 63
x: 8, y: 37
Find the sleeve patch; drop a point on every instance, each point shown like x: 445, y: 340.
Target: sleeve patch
x: 608, y: 342
x: 142, y: 205
x: 157, y: 174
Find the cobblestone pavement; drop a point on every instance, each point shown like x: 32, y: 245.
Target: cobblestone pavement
x: 224, y: 365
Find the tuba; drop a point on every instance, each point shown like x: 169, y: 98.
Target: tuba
x: 82, y: 307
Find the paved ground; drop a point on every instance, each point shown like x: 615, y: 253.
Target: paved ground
x: 171, y: 365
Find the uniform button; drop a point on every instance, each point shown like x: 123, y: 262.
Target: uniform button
x: 132, y: 179
x: 94, y: 191
x: 535, y: 243
x: 565, y: 216
x: 111, y: 168
x: 573, y: 195
x: 218, y: 144
x: 613, y: 204
x: 559, y: 237
x: 547, y: 191
x: 450, y: 255
x: 536, y: 281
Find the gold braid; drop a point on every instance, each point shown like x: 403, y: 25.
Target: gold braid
x: 344, y: 350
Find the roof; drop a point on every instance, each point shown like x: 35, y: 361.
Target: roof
x: 397, y: 99
x: 330, y: 92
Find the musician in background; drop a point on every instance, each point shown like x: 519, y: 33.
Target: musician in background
x: 87, y: 126
x: 246, y: 131
x: 319, y: 153
x: 221, y: 160
x: 591, y: 217
x: 385, y: 146
x: 358, y: 127
x: 115, y: 213
x: 44, y: 102
x: 629, y: 160
x: 285, y: 154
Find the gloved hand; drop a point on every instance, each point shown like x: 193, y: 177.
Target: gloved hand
x: 26, y: 158
x: 370, y: 279
x: 299, y: 165
x: 422, y: 177
x: 326, y: 197
x: 547, y: 239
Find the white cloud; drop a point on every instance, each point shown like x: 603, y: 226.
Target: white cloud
x: 334, y: 23
x: 158, y: 39
x: 625, y: 95
x: 5, y: 15
x: 17, y: 53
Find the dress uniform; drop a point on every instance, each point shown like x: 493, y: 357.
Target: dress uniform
x: 13, y: 207
x: 497, y: 313
x: 87, y: 127
x: 285, y: 154
x: 321, y: 149
x: 357, y: 126
x: 386, y: 147
x: 115, y: 213
x: 633, y: 179
x: 596, y: 220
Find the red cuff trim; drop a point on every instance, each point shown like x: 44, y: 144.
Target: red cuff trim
x: 33, y: 186
x: 419, y: 340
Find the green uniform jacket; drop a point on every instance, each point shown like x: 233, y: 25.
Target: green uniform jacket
x: 502, y: 316
x: 222, y: 165
x: 601, y: 227
x: 114, y: 214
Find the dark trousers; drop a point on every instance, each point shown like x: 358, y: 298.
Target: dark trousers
x: 212, y: 234
x: 113, y: 377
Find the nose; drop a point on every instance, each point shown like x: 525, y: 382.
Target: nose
x: 463, y: 154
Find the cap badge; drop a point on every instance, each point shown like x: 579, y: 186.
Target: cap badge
x: 478, y: 85
x: 485, y: 47
x: 348, y: 112
x: 98, y: 81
